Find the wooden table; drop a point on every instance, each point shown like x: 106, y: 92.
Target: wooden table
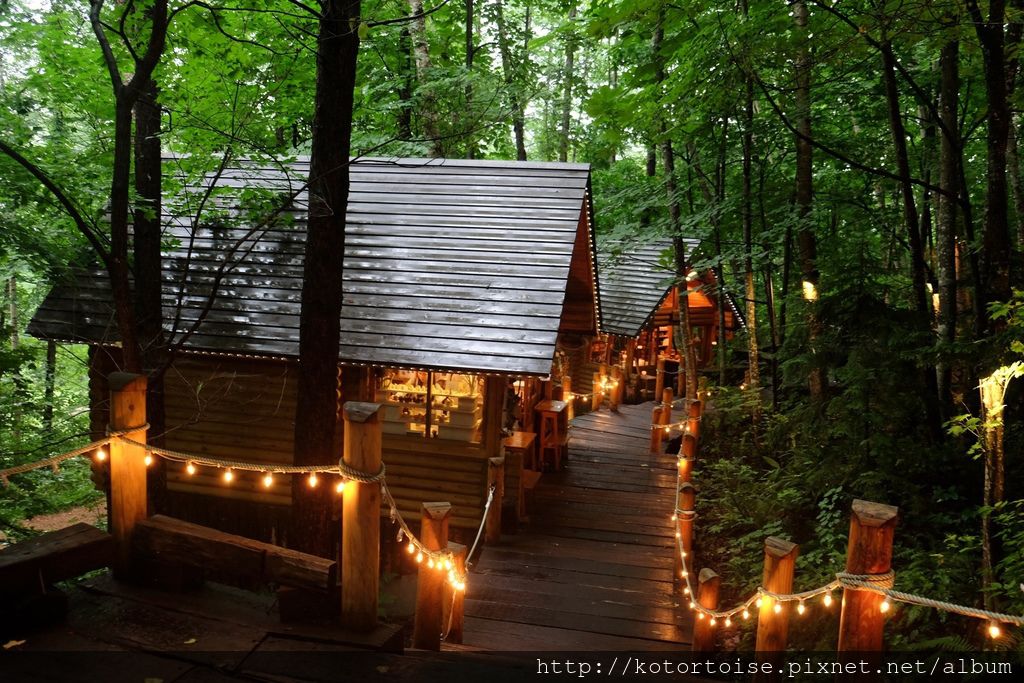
x: 553, y: 427
x: 520, y: 455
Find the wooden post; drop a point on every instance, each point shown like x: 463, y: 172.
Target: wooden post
x: 568, y: 397
x: 495, y: 478
x: 427, y: 626
x: 627, y: 365
x: 872, y: 527
x: 360, y: 514
x: 707, y: 596
x: 694, y: 413
x: 453, y: 614
x: 684, y: 525
x: 687, y: 454
x: 779, y: 563
x: 128, y: 504
x: 597, y: 397
x: 659, y: 378
x: 656, y: 430
x: 615, y: 396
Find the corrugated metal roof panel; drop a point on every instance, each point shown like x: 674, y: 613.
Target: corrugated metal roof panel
x: 436, y: 272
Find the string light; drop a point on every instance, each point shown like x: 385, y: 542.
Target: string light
x: 268, y: 479
x: 686, y: 590
x: 884, y: 607
x: 419, y: 557
x: 411, y: 547
x: 800, y: 608
x: 778, y: 607
x: 728, y: 622
x: 340, y: 488
x: 190, y: 469
x: 827, y: 599
x: 101, y: 455
x: 430, y: 563
x: 746, y: 613
x: 148, y: 460
x: 228, y: 475
x: 760, y: 601
x: 994, y: 631
x: 313, y: 481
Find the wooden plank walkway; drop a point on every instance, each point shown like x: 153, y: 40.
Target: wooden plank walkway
x: 593, y: 568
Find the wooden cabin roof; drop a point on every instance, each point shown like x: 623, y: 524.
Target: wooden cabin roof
x: 633, y: 282
x: 449, y: 264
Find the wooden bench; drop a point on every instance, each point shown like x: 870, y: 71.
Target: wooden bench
x: 170, y: 540
x: 54, y: 556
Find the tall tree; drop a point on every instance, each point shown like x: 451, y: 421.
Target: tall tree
x: 753, y: 372
x: 421, y: 51
x: 510, y: 67
x: 316, y: 407
x: 945, y: 225
x: 568, y: 75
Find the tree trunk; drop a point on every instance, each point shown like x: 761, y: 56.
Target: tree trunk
x: 510, y: 71
x: 405, y: 85
x: 747, y: 202
x: 316, y: 408
x: 567, y: 76
x: 421, y: 51
x: 51, y: 378
x: 945, y: 226
x: 470, y: 145
x: 806, y: 240
x: 997, y: 246
x: 1016, y: 182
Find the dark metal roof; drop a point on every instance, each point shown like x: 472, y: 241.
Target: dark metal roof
x: 448, y: 264
x: 634, y: 278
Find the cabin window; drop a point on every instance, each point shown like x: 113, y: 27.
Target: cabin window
x: 437, y: 405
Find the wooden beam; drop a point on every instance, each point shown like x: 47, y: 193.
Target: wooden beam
x: 128, y: 504
x: 707, y: 596
x: 495, y: 478
x: 862, y: 622
x: 426, y: 631
x: 360, y: 528
x: 29, y: 565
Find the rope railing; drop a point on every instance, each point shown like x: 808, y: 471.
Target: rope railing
x: 880, y: 584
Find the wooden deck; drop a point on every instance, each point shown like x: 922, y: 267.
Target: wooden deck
x: 593, y: 568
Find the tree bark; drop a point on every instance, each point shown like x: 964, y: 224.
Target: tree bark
x: 405, y: 85
x: 421, y: 52
x: 806, y: 240
x: 747, y: 201
x: 510, y: 71
x: 316, y: 411
x: 945, y: 226
x: 470, y: 145
x: 567, y: 78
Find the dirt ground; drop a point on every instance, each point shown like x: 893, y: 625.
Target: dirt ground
x: 95, y: 514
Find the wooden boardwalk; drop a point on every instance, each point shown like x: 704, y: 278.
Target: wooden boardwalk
x: 593, y: 568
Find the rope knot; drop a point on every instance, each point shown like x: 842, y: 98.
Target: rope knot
x: 359, y: 475
x: 686, y: 515
x: 877, y: 582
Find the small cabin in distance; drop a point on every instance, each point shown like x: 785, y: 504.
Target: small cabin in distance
x: 640, y: 310
x: 445, y: 322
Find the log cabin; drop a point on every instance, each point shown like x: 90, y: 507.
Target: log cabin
x: 462, y: 280
x: 640, y: 308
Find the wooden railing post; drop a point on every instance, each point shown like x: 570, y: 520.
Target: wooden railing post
x: 656, y: 429
x: 495, y: 478
x: 360, y: 510
x: 617, y: 388
x: 597, y: 396
x: 779, y: 564
x: 453, y: 614
x: 684, y: 525
x: 659, y: 378
x: 687, y: 454
x: 694, y: 413
x: 128, y: 504
x: 872, y: 528
x: 707, y: 596
x: 568, y: 397
x: 427, y: 626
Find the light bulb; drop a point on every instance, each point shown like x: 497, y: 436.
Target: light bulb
x: 713, y: 621
x: 411, y: 548
x: 800, y: 609
x: 313, y: 481
x: 692, y: 604
x: 190, y: 468
x: 686, y: 590
x: 827, y: 599
x: 746, y: 614
x: 268, y: 480
x: 760, y: 601
x: 447, y: 563
x: 884, y: 607
x: 700, y: 615
x: 683, y: 573
x: 101, y: 455
x: 728, y: 622
x: 678, y: 535
x: 994, y: 631
x: 228, y: 476
x: 430, y: 563
x: 340, y: 488
x: 148, y: 460
x: 419, y: 557
x: 777, y: 607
